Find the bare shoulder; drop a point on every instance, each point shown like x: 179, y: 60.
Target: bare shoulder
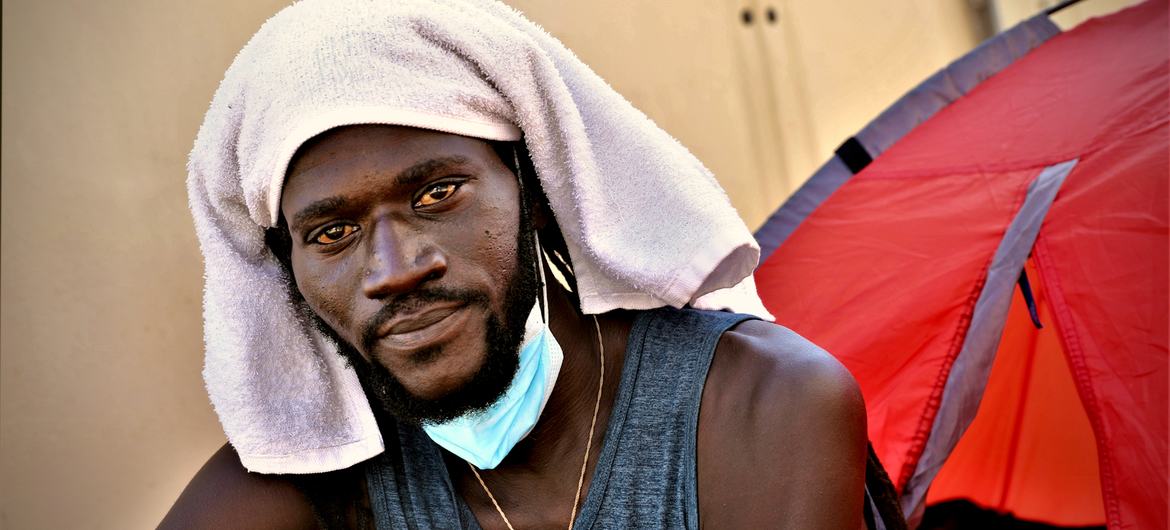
x: 223, y: 494
x: 782, y: 434
x: 764, y: 357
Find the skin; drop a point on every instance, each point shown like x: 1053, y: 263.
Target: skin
x: 370, y: 226
x: 781, y: 435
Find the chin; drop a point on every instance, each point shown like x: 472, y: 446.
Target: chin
x: 448, y: 371
x: 438, y: 371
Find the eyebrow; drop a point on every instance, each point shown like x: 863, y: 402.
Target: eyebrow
x: 409, y: 177
x: 415, y: 174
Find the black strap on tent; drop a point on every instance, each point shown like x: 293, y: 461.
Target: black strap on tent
x: 1026, y: 290
x: 854, y: 155
x: 1060, y: 6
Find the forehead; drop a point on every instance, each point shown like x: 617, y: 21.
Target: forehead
x: 384, y: 144
x: 347, y: 154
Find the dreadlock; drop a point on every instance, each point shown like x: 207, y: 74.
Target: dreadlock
x: 515, y: 156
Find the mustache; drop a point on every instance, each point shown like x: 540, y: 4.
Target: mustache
x: 414, y: 301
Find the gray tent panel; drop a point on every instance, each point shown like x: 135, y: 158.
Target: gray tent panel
x: 968, y: 376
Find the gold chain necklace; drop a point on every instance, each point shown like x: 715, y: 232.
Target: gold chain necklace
x: 588, y: 444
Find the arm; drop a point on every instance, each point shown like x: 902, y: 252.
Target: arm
x: 225, y: 495
x: 782, y: 435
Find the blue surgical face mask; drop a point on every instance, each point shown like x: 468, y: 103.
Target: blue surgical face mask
x: 484, y: 438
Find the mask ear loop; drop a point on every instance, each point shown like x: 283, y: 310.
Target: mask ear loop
x: 535, y: 239
x: 543, y: 283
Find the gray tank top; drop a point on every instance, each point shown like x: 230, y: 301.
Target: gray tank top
x: 645, y: 476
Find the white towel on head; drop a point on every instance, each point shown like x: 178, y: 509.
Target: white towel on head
x: 645, y: 222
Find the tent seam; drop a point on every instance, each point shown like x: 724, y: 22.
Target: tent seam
x: 1075, y: 354
x: 875, y: 172
x: 934, y: 401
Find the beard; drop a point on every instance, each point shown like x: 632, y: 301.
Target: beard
x: 502, y: 337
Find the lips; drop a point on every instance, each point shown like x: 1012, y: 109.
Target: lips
x: 425, y: 327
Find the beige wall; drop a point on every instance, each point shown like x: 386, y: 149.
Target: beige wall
x: 762, y: 104
x: 103, y: 417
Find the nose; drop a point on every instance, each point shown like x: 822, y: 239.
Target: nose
x: 399, y: 262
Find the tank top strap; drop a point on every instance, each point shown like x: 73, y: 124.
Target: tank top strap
x: 409, y: 486
x: 646, y: 475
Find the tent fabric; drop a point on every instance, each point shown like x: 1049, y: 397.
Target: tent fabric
x: 1028, y: 452
x: 888, y: 269
x: 972, y: 366
x: 1109, y: 302
x: 938, y: 91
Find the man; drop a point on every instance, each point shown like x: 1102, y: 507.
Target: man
x: 441, y: 195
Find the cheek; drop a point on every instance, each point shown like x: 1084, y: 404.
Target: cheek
x: 328, y: 288
x: 495, y: 242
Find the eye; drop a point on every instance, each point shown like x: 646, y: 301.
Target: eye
x: 436, y: 193
x: 334, y: 234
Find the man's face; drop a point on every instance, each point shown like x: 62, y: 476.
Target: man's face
x: 406, y: 244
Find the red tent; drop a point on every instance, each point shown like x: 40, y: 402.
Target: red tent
x: 1024, y: 185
